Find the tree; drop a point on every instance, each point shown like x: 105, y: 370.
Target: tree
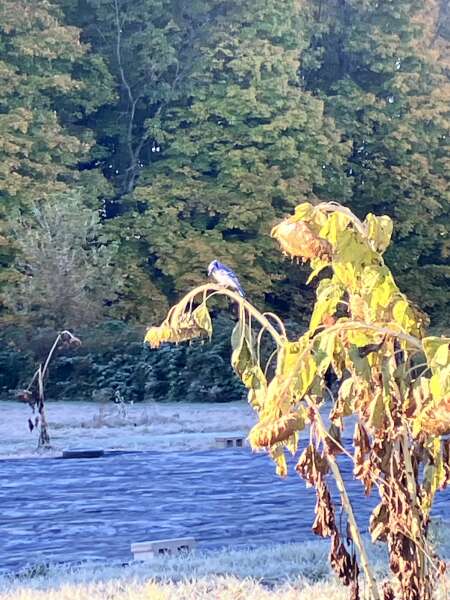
x: 240, y: 148
x: 65, y: 272
x: 148, y: 46
x: 380, y: 69
x: 394, y: 382
x: 151, y: 48
x: 41, y: 100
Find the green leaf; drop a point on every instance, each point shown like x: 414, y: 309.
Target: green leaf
x: 360, y: 365
x: 323, y: 355
x: 328, y: 297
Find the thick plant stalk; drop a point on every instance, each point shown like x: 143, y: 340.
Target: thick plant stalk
x: 44, y: 437
x: 354, y: 529
x: 412, y: 489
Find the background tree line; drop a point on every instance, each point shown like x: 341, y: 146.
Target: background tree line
x: 140, y: 139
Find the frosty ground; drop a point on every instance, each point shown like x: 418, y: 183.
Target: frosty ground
x: 144, y: 426
x: 282, y: 572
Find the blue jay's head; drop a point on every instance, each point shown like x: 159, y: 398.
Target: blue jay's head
x: 212, y: 266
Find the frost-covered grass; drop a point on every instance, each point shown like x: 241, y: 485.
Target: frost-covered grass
x: 145, y: 426
x: 282, y: 572
x: 220, y: 588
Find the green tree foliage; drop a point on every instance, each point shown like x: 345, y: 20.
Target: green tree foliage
x: 97, y: 369
x: 150, y: 48
x: 214, y: 134
x: 240, y: 149
x: 47, y: 82
x: 394, y: 383
x: 212, y: 118
x: 65, y: 272
x: 381, y: 70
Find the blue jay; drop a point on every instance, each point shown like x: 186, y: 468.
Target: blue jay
x: 225, y: 276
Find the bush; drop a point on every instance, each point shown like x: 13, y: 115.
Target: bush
x: 113, y: 359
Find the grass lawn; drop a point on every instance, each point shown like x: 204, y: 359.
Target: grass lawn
x: 281, y: 572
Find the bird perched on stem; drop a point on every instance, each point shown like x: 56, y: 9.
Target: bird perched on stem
x: 225, y: 276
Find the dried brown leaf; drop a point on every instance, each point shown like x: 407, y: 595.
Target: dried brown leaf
x: 324, y: 523
x: 344, y: 565
x: 312, y: 466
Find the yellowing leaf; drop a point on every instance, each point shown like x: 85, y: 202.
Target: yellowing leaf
x: 155, y: 336
x: 403, y: 315
x: 333, y: 228
x: 343, y: 405
x: 255, y: 380
x: 288, y: 356
x: 277, y: 455
x: 437, y: 351
x: 202, y: 317
x: 320, y: 267
x: 360, y: 365
x: 323, y: 353
x: 303, y: 211
x: 434, y: 475
x: 361, y: 338
x: 377, y: 411
x: 379, y: 231
x: 383, y: 294
x: 242, y: 356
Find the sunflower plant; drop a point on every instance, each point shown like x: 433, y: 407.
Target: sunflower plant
x: 394, y: 387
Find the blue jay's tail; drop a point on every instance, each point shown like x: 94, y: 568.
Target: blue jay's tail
x: 240, y: 290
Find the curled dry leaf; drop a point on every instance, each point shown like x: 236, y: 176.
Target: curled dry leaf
x: 435, y: 420
x: 379, y: 522
x: 402, y: 553
x: 446, y: 463
x: 344, y: 565
x: 266, y: 433
x: 363, y: 464
x: 388, y: 591
x: 324, y: 523
x: 298, y: 240
x: 312, y: 466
